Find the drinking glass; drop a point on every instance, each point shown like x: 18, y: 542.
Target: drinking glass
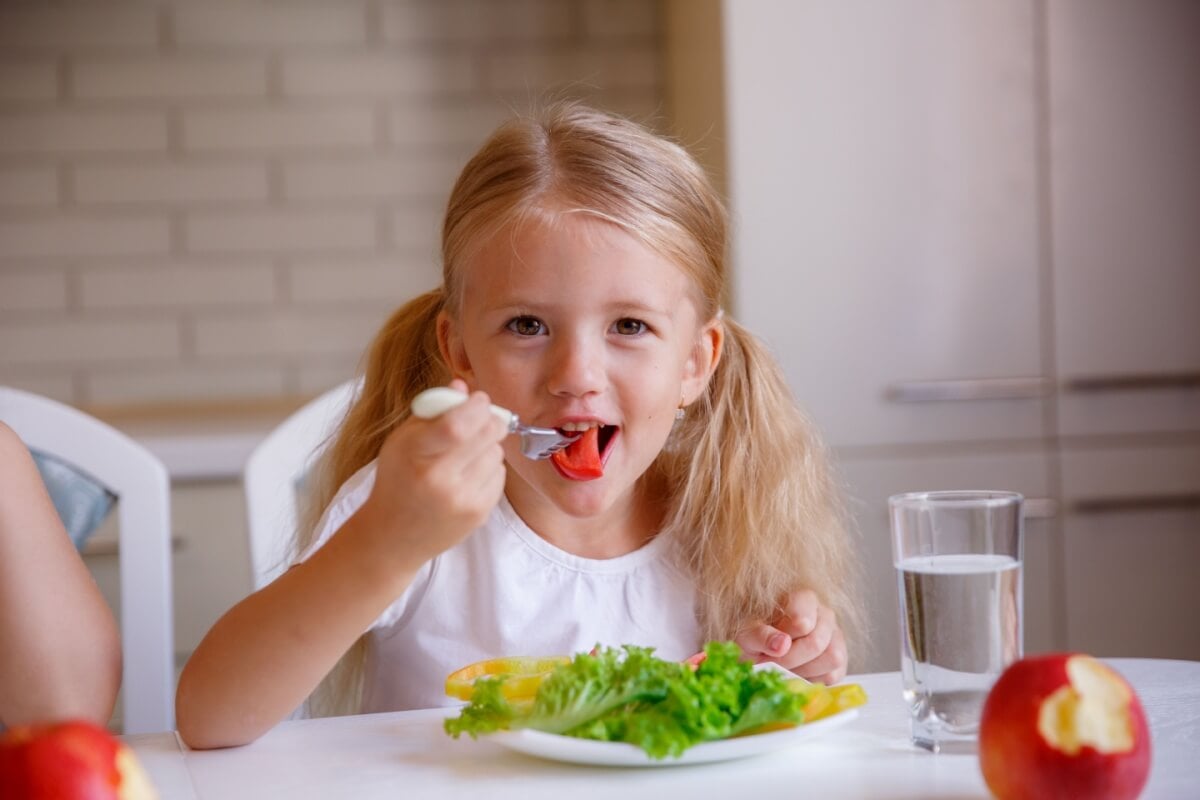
x: 958, y: 566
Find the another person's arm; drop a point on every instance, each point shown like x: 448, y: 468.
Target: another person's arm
x: 60, y: 653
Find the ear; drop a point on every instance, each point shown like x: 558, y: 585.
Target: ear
x: 454, y: 353
x: 702, y: 362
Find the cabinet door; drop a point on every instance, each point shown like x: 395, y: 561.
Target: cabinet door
x: 1124, y: 89
x: 872, y: 480
x: 882, y: 166
x: 1132, y: 542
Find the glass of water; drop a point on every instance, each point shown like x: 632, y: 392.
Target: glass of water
x: 958, y: 565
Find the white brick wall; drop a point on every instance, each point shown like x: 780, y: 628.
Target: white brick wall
x: 536, y: 22
x: 154, y: 77
x: 235, y: 23
x: 280, y: 231
x: 78, y: 26
x: 191, y: 286
x: 80, y: 342
x: 30, y: 80
x: 170, y: 183
x: 83, y: 236
x: 82, y: 132
x: 220, y: 201
x: 273, y: 129
x: 28, y: 187
x: 32, y: 290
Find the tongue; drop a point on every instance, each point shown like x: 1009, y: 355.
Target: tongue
x: 580, y: 460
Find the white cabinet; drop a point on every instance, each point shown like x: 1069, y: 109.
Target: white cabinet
x: 1132, y: 542
x: 1124, y: 172
x: 1124, y: 98
x: 883, y: 173
x: 971, y: 233
x: 871, y: 480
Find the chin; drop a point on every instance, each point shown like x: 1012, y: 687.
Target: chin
x: 582, y: 499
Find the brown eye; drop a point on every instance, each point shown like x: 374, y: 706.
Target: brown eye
x: 629, y: 327
x: 526, y: 326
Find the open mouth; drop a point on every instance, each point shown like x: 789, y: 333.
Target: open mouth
x: 584, y: 459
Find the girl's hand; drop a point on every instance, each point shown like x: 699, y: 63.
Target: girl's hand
x: 804, y: 638
x: 438, y: 479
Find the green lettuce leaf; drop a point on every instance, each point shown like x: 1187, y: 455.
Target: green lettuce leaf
x: 629, y: 695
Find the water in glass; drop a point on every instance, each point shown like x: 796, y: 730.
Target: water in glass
x: 960, y: 626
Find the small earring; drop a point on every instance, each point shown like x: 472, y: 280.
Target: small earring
x: 679, y: 410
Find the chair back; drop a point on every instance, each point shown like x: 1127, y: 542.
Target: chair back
x: 140, y: 482
x: 275, y: 478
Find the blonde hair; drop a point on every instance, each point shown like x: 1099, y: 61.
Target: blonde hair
x: 747, y: 488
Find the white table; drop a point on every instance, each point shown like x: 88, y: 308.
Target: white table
x: 406, y: 755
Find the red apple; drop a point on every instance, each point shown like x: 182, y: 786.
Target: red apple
x: 1063, y: 725
x: 73, y: 760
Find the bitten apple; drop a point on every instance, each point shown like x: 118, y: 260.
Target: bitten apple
x: 72, y: 760
x: 1063, y: 725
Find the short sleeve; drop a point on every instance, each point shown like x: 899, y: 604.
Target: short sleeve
x: 82, y: 502
x: 348, y: 500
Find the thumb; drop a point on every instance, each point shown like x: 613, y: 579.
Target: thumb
x: 763, y: 640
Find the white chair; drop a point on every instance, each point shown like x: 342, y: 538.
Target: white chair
x: 275, y: 473
x: 140, y: 482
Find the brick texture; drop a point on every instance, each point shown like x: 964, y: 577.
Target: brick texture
x: 220, y: 201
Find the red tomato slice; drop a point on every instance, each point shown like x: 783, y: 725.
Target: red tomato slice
x: 581, y: 459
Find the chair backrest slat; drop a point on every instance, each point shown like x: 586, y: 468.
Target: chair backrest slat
x: 275, y: 470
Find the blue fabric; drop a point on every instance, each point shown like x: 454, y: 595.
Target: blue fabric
x: 82, y: 502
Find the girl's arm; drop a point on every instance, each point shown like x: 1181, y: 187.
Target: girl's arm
x: 60, y: 654
x: 436, y: 481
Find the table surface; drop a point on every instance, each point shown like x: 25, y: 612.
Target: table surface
x: 406, y: 754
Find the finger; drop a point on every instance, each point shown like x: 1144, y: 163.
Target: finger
x: 798, y: 615
x: 483, y: 469
x: 464, y: 425
x: 761, y: 641
x: 806, y: 648
x: 830, y: 666
x: 485, y: 483
x: 469, y: 464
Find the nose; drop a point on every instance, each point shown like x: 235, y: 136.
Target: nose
x: 577, y: 367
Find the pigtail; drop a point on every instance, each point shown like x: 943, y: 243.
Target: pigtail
x: 401, y: 361
x: 753, y: 498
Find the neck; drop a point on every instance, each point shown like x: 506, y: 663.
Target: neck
x: 625, y: 525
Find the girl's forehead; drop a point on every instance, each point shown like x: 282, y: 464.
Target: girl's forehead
x: 572, y: 247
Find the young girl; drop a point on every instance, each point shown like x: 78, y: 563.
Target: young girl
x: 583, y: 265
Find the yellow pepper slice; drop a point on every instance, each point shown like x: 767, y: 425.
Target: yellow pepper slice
x: 524, y: 675
x: 825, y: 701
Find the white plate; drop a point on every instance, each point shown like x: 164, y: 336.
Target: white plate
x: 621, y: 754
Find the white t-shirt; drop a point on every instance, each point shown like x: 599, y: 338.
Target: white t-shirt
x: 505, y: 591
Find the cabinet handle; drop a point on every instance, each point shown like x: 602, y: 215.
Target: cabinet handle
x: 1148, y: 502
x: 1040, y: 508
x: 1134, y: 382
x: 955, y: 390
